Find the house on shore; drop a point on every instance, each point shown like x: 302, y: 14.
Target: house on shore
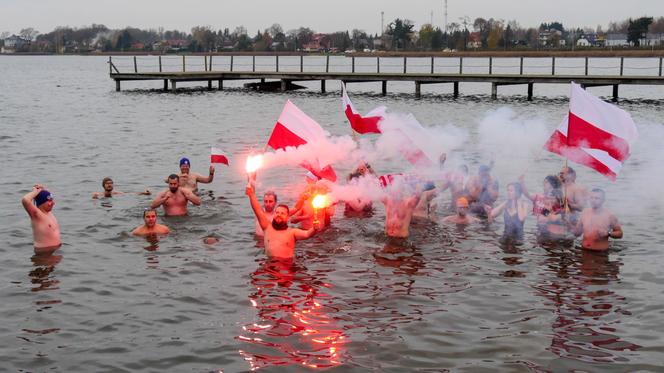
x: 15, y: 44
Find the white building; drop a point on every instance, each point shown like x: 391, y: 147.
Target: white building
x: 14, y: 43
x: 616, y: 40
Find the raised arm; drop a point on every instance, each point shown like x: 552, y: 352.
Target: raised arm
x: 522, y: 181
x: 208, y: 179
x: 263, y: 221
x: 26, y: 201
x: 193, y: 198
x: 497, y: 210
x: 160, y: 199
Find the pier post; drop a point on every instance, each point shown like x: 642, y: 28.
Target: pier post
x: 231, y: 63
x: 110, y: 64
x: 553, y: 65
x: 622, y: 64
x: 277, y: 63
x: 209, y: 85
x: 460, y: 65
x: 205, y: 63
x: 494, y: 91
x: 220, y: 85
x: 210, y: 63
x: 490, y: 65
x: 418, y: 89
x: 615, y: 93
x: 117, y: 85
x: 301, y: 63
x: 530, y: 91
x: 165, y: 85
x: 159, y: 63
x: 253, y: 63
x: 586, y: 74
x: 660, y: 66
x: 521, y: 67
x: 262, y: 80
x: 352, y: 61
x: 284, y: 85
x: 327, y: 63
x: 173, y: 86
x: 183, y: 64
x: 405, y: 66
x: 384, y: 87
x: 377, y: 65
x: 456, y: 89
x: 432, y: 64
x: 135, y: 65
x: 322, y: 86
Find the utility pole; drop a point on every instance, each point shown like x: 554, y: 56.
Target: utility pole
x: 445, y: 14
x: 431, y: 23
x: 382, y: 23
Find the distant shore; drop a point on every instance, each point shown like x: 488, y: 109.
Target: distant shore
x: 504, y: 54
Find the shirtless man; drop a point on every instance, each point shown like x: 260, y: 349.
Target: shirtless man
x: 189, y: 179
x: 426, y: 209
x: 461, y: 217
x: 45, y: 227
x: 279, y: 238
x: 399, y: 212
x: 151, y: 227
x: 576, y: 196
x: 107, y: 184
x: 597, y: 224
x: 175, y: 198
x: 482, y: 191
x: 269, y: 203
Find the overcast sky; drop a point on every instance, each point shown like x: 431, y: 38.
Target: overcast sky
x: 322, y: 16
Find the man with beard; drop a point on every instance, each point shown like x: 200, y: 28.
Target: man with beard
x: 189, y: 179
x: 461, y: 217
x: 269, y: 203
x: 151, y: 227
x: 175, y: 198
x: 107, y: 184
x: 575, y: 194
x: 279, y: 237
x: 45, y: 227
x: 597, y: 224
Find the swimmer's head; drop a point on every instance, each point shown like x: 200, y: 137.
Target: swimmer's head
x: 269, y: 201
x: 44, y: 200
x: 150, y: 217
x: 597, y: 197
x: 514, y: 190
x: 173, y: 182
x: 429, y: 185
x: 280, y: 219
x: 462, y: 206
x: 184, y: 165
x: 567, y: 174
x: 107, y: 184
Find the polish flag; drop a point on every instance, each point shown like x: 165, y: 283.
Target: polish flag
x: 217, y: 156
x: 295, y: 128
x: 361, y: 124
x: 595, y: 134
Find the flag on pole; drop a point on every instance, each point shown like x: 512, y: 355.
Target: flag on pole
x: 595, y: 134
x: 217, y: 156
x: 295, y: 128
x: 361, y: 124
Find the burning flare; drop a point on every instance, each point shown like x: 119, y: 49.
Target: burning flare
x: 320, y: 201
x: 254, y: 162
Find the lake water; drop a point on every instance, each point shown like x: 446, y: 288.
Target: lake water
x: 446, y: 299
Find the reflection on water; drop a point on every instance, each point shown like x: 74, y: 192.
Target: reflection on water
x: 295, y: 323
x: 587, y: 310
x: 42, y: 273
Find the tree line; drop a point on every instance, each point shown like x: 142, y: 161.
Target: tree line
x: 399, y: 35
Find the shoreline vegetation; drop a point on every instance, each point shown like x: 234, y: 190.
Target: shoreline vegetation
x: 635, y: 53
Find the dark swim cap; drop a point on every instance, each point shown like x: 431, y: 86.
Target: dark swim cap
x: 42, y: 197
x: 185, y: 161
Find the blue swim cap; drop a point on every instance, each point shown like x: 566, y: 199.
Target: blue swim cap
x: 185, y: 161
x: 42, y: 197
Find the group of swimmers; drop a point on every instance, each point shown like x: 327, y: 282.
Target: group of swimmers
x: 563, y: 210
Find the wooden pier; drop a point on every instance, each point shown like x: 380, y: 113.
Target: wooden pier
x: 285, y: 80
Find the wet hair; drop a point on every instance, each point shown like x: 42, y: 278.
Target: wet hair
x: 600, y: 191
x: 554, y: 181
x: 571, y: 171
x: 148, y: 210
x: 284, y: 206
x: 105, y: 180
x: 174, y: 176
x: 517, y: 189
x: 271, y: 193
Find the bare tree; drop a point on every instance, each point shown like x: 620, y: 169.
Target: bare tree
x: 28, y: 33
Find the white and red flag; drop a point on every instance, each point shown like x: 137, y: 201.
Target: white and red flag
x: 295, y: 128
x: 595, y: 134
x: 361, y: 124
x: 218, y: 156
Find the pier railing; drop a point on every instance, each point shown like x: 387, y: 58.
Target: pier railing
x: 521, y: 66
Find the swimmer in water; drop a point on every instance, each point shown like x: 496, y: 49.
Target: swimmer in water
x: 482, y: 191
x: 399, y: 208
x: 461, y: 217
x: 514, y: 215
x: 597, y: 224
x: 150, y: 226
x: 175, y: 198
x: 279, y: 238
x: 107, y: 184
x: 45, y: 227
x: 269, y: 203
x: 189, y: 179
